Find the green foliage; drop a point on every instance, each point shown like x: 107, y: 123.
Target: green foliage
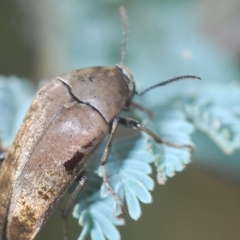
x: 215, y: 111
x: 128, y: 172
x: 15, y: 98
x: 172, y: 126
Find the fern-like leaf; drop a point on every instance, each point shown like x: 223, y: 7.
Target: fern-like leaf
x: 131, y: 181
x: 128, y: 169
x: 15, y: 98
x: 171, y: 125
x: 215, y: 111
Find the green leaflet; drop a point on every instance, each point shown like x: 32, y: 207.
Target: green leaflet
x: 16, y: 95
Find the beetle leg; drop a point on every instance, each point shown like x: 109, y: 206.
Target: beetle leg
x: 139, y: 107
x: 2, y: 156
x: 3, y: 152
x: 132, y: 123
x: 82, y: 178
x: 143, y: 109
x: 104, y: 160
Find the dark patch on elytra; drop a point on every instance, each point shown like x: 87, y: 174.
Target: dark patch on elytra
x: 106, y: 74
x: 98, y: 68
x: 73, y: 162
x: 43, y: 195
x: 90, y: 79
x: 24, y: 224
x: 89, y: 144
x: 80, y: 78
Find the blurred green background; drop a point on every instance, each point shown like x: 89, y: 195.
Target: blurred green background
x: 45, y: 38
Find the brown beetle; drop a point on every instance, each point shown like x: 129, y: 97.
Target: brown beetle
x: 67, y: 119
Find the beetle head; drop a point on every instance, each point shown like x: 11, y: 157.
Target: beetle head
x: 128, y: 77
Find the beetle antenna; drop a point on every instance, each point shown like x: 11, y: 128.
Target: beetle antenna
x: 124, y: 18
x: 167, y: 81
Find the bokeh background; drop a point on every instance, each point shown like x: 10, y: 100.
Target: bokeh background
x: 45, y: 38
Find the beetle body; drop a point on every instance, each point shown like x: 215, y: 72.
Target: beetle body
x: 65, y: 123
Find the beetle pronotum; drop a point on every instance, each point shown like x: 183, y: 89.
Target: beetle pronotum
x: 66, y: 121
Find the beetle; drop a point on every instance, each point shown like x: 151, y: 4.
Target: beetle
x: 62, y: 129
